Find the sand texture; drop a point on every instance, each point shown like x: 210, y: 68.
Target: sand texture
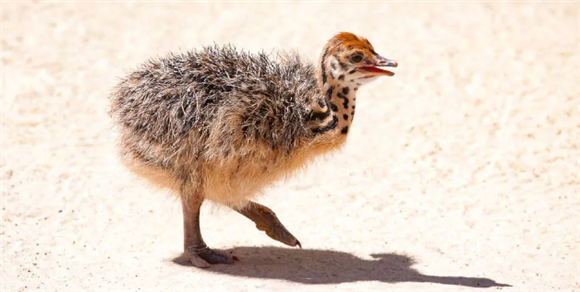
x: 461, y: 172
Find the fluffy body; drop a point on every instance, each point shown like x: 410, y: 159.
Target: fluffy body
x: 223, y: 122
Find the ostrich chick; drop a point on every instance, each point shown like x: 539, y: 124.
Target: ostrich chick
x: 220, y: 125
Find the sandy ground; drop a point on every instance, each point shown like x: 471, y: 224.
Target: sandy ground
x: 461, y: 172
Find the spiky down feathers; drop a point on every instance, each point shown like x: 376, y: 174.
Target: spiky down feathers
x: 223, y: 121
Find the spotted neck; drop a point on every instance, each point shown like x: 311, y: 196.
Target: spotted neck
x: 339, y: 90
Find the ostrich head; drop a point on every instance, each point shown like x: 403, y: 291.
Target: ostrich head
x: 348, y: 59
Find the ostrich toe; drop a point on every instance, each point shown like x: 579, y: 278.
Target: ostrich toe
x: 206, y: 257
x: 267, y: 221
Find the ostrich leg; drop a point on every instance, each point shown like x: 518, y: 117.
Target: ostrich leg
x: 267, y: 221
x: 195, y: 249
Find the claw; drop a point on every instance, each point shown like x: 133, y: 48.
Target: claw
x: 280, y: 233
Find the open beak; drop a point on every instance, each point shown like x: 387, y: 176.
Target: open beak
x: 374, y: 70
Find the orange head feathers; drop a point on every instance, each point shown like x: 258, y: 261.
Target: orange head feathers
x: 350, y: 58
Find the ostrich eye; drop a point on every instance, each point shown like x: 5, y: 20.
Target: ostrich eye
x: 356, y: 58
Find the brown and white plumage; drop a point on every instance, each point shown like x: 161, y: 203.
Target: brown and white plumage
x: 220, y: 124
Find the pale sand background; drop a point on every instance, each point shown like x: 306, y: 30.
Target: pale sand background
x: 461, y: 171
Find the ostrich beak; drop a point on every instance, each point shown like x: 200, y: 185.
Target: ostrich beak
x: 374, y: 71
x: 382, y: 61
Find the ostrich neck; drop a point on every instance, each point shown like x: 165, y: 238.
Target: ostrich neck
x: 342, y: 100
x: 340, y: 93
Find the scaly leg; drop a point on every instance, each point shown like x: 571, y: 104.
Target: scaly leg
x: 195, y: 248
x: 267, y: 221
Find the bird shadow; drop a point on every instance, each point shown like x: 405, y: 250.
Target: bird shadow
x: 311, y: 266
